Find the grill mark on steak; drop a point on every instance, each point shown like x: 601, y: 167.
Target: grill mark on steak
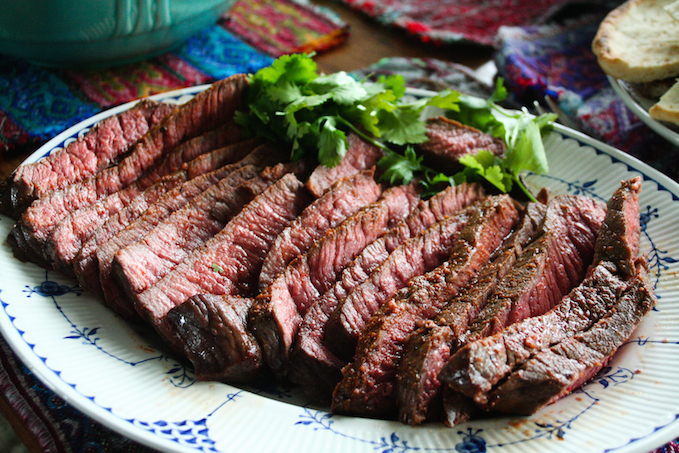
x: 277, y: 313
x: 229, y: 262
x: 449, y: 140
x: 100, y: 147
x: 313, y: 364
x: 555, y: 372
x: 212, y: 333
x: 482, y: 364
x: 343, y: 199
x: 431, y: 345
x: 72, y: 231
x: 153, y: 155
x: 92, y: 264
x: 369, y: 382
x: 360, y: 156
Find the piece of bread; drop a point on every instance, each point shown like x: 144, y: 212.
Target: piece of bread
x: 667, y: 108
x: 639, y: 41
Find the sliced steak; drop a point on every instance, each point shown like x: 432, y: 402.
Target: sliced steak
x: 314, y: 365
x: 545, y: 272
x: 149, y: 159
x: 481, y: 364
x: 158, y: 213
x: 418, y: 255
x: 200, y: 174
x: 547, y: 269
x: 212, y: 331
x: 369, y: 382
x: 430, y: 346
x: 360, y: 156
x: 565, y: 366
x: 346, y: 197
x: 619, y: 239
x: 77, y: 227
x: 277, y: 313
x: 449, y: 140
x: 100, y: 147
x: 229, y: 262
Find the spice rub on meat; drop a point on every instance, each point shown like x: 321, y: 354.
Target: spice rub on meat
x: 378, y: 300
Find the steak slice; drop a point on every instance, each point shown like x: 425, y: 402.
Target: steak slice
x: 360, y: 156
x: 203, y: 170
x: 314, y: 365
x: 546, y: 271
x: 77, y: 227
x: 418, y: 255
x: 449, y: 140
x: 565, y: 366
x: 482, y: 364
x: 157, y: 214
x: 277, y: 313
x: 212, y: 332
x: 346, y: 197
x: 148, y: 159
x: 229, y: 262
x: 619, y: 240
x: 368, y: 384
x: 100, y: 147
x: 430, y: 346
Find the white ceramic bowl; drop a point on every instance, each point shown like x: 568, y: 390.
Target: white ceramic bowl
x: 100, y: 32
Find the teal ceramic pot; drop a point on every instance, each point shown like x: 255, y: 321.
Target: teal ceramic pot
x: 100, y: 32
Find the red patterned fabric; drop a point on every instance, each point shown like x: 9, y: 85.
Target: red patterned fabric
x: 441, y: 21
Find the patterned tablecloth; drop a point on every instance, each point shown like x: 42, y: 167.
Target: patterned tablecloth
x: 541, y: 60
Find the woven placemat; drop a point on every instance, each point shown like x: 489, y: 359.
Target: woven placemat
x: 37, y: 102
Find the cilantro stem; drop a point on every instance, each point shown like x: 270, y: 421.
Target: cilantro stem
x: 524, y: 189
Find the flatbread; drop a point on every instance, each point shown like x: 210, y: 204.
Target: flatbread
x: 667, y: 109
x: 639, y: 41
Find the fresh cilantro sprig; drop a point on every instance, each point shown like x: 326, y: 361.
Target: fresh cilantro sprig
x: 290, y: 101
x: 521, y: 131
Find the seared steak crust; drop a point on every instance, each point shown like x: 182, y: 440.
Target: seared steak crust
x: 430, y: 346
x: 418, y: 255
x: 556, y: 371
x: 345, y: 197
x: 313, y: 364
x: 212, y: 333
x: 482, y: 364
x: 100, y: 147
x: 277, y: 313
x: 369, y: 382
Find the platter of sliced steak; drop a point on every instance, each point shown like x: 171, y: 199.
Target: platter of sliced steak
x: 173, y: 276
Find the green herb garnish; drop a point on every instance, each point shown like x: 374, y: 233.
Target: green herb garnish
x: 291, y: 102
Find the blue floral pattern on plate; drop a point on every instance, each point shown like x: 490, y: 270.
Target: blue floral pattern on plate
x: 54, y: 326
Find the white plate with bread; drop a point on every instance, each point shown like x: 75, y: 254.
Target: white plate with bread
x: 637, y: 46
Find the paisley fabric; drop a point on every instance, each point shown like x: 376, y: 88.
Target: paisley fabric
x: 554, y: 66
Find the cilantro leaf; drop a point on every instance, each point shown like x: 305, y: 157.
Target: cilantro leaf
x: 400, y: 168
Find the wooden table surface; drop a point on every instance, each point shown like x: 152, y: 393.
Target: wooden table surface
x: 366, y: 44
